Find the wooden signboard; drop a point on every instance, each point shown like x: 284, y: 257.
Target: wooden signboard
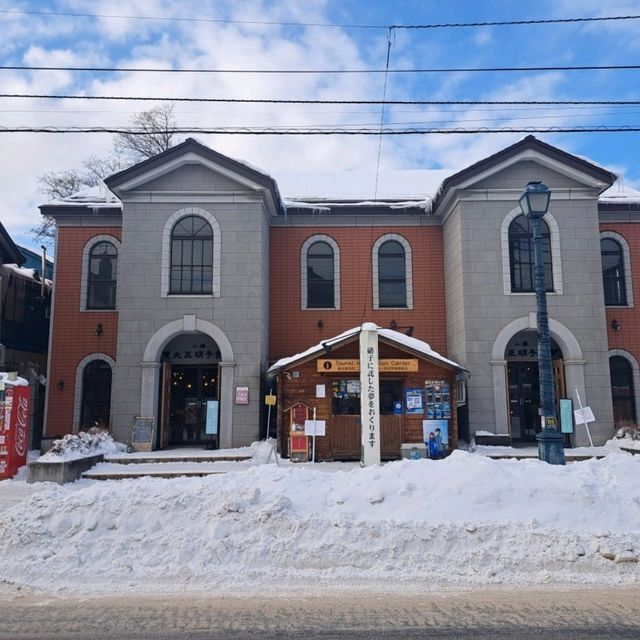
x: 385, y: 365
x: 142, y: 434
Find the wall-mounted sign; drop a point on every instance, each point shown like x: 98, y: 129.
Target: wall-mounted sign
x: 413, y: 400
x: 242, y: 395
x: 439, y: 429
x: 386, y: 365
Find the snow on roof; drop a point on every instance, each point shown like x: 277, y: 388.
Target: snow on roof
x: 24, y: 272
x: 98, y: 197
x: 414, y: 184
x: 619, y: 193
x: 390, y: 335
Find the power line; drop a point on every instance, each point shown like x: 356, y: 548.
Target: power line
x: 608, y: 67
x: 310, y: 131
x: 304, y: 101
x: 445, y: 25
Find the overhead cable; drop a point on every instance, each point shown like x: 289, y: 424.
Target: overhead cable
x: 45, y: 96
x: 440, y: 25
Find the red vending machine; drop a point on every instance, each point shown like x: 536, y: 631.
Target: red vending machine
x: 14, y: 429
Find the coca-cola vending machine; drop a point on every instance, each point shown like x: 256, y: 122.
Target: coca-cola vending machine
x: 14, y: 429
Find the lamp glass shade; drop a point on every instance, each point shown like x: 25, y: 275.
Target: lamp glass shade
x: 535, y: 199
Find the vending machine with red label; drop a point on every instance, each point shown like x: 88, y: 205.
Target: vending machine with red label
x: 14, y: 429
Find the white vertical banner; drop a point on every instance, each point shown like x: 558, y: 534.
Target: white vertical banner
x: 369, y: 395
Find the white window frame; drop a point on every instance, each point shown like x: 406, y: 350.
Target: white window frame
x: 84, y: 281
x: 408, y: 266
x: 77, y: 399
x: 626, y: 263
x: 556, y: 261
x: 166, y: 253
x: 303, y: 272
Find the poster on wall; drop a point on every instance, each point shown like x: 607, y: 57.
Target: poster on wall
x: 439, y: 429
x: 413, y: 400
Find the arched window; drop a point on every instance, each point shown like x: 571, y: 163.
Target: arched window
x: 613, y: 276
x: 392, y: 275
x: 103, y: 273
x: 191, y: 270
x: 320, y: 276
x: 622, y: 391
x: 521, y: 261
x: 96, y: 395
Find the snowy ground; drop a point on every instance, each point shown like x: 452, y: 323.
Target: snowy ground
x: 408, y: 526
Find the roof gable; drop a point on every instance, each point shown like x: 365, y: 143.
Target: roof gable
x: 530, y: 149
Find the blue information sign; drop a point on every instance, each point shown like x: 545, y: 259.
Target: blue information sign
x: 566, y: 416
x: 212, y: 418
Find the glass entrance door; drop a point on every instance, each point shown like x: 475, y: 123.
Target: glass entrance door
x: 192, y: 387
x: 524, y: 400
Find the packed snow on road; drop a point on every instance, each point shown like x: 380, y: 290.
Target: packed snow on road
x: 408, y: 526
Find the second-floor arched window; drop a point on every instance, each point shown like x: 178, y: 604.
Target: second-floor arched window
x: 320, y: 276
x: 102, y: 278
x: 613, y: 276
x: 392, y: 275
x: 191, y: 265
x: 521, y: 260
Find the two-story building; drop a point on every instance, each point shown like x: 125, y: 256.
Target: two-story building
x: 190, y: 273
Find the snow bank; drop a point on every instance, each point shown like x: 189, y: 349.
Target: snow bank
x: 406, y: 526
x: 82, y: 444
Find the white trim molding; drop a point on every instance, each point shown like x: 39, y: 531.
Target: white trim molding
x: 630, y: 358
x: 77, y: 397
x: 556, y: 256
x: 626, y: 262
x: 408, y: 266
x: 303, y: 271
x: 166, y: 250
x: 84, y: 281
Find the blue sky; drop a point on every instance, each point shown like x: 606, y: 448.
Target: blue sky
x: 46, y: 40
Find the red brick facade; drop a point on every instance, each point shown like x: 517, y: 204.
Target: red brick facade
x: 628, y: 337
x: 73, y: 331
x: 293, y: 329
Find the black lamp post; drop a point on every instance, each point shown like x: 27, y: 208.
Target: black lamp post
x: 534, y: 203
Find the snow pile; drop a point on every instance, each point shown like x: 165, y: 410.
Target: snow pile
x: 82, y: 444
x: 407, y: 526
x: 626, y: 437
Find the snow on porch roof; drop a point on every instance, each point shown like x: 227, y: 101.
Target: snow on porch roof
x: 388, y: 335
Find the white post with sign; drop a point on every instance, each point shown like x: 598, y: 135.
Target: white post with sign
x: 584, y: 415
x: 369, y: 395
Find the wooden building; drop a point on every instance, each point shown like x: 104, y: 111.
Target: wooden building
x: 419, y: 392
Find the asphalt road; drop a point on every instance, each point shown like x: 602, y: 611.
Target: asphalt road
x: 583, y: 614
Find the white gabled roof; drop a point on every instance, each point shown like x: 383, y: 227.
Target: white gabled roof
x: 388, y: 335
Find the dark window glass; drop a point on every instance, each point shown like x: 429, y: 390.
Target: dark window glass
x: 392, y: 277
x: 101, y: 289
x: 622, y: 391
x: 615, y: 292
x: 320, y: 276
x: 345, y: 397
x: 390, y: 394
x: 96, y: 395
x: 521, y: 259
x: 191, y: 256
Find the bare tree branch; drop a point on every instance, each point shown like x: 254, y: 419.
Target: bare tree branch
x: 157, y: 124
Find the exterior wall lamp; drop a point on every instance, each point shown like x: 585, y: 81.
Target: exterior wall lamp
x: 98, y: 330
x: 395, y: 326
x: 60, y: 385
x: 615, y: 325
x: 534, y: 203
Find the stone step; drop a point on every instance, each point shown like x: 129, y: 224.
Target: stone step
x: 110, y: 470
x: 151, y: 459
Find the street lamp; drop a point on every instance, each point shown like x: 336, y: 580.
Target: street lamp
x: 534, y: 203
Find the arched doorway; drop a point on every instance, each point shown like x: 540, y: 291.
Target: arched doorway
x: 622, y: 391
x: 155, y: 375
x: 523, y: 383
x: 572, y: 364
x: 190, y: 391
